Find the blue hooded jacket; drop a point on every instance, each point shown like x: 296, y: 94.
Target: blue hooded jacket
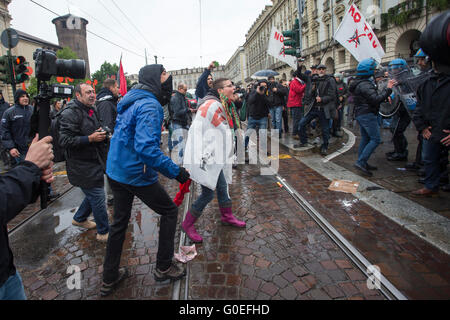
x: 135, y: 155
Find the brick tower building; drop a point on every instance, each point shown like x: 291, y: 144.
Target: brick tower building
x: 71, y: 31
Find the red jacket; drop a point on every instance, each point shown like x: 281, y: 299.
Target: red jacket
x: 296, y: 93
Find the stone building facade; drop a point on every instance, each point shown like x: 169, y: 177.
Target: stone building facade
x: 235, y: 68
x: 190, y: 76
x: 71, y: 31
x: 398, y: 25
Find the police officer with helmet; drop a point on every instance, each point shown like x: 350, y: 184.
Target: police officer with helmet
x: 402, y: 119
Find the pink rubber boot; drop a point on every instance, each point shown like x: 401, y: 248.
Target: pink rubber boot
x: 189, y: 229
x: 229, y: 219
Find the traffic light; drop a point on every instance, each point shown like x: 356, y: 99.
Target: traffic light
x: 20, y: 69
x: 4, y: 70
x: 292, y: 39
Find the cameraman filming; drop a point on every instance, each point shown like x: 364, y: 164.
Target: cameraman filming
x: 258, y: 109
x: 85, y: 143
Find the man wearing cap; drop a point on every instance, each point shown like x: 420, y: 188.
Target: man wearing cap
x: 16, y: 126
x: 324, y: 101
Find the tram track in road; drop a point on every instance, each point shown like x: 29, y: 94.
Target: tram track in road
x: 181, y: 287
x: 385, y: 286
x: 35, y: 214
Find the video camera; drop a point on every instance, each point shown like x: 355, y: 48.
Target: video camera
x: 47, y: 66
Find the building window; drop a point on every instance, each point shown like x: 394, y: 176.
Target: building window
x: 317, y: 36
x: 327, y: 28
x: 341, y: 57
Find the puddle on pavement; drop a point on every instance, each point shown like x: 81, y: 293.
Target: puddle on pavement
x: 145, y: 226
x: 65, y: 219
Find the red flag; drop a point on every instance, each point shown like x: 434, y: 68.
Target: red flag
x: 122, y: 80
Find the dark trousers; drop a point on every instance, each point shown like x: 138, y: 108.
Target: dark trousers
x: 434, y: 162
x: 157, y: 199
x: 403, y: 120
x: 286, y: 120
x: 324, y: 123
x: 337, y: 123
x: 419, y: 160
x: 297, y: 115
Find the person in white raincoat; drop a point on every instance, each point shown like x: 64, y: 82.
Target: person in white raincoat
x: 209, y: 155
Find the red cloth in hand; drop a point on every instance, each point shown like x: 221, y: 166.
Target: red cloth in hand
x: 184, y: 188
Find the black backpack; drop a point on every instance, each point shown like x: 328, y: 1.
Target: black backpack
x: 58, y: 150
x: 54, y: 132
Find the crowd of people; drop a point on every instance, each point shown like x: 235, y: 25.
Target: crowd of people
x: 112, y: 145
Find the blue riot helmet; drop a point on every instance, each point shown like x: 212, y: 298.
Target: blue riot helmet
x: 421, y: 54
x: 366, y: 67
x: 398, y: 66
x: 422, y: 60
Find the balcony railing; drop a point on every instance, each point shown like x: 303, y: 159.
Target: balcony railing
x: 404, y: 12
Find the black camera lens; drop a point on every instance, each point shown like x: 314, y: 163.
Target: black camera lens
x: 71, y: 68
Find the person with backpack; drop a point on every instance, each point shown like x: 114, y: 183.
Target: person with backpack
x: 84, y: 141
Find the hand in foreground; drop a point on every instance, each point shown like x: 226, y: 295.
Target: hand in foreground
x: 183, y: 176
x: 391, y: 84
x: 14, y: 153
x: 41, y: 154
x: 446, y: 140
x: 98, y: 136
x: 426, y: 134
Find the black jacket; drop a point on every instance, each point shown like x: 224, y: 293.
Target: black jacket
x: 3, y: 107
x: 433, y: 106
x: 85, y: 161
x: 202, y: 85
x: 277, y: 99
x: 366, y: 97
x: 16, y: 124
x: 258, y: 105
x: 107, y: 108
x: 20, y: 187
x: 341, y: 91
x: 179, y: 110
x: 325, y: 88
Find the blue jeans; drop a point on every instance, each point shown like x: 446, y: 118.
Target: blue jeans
x: 179, y: 136
x: 370, y: 137
x: 431, y: 154
x: 324, y: 123
x: 297, y: 115
x: 13, y: 289
x: 276, y: 113
x: 94, y: 202
x: 253, y: 123
x: 208, y: 195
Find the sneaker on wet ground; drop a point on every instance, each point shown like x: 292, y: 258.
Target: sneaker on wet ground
x: 86, y: 224
x: 108, y: 288
x: 102, y: 237
x: 175, y: 272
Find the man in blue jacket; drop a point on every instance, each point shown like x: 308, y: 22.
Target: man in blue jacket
x: 134, y: 159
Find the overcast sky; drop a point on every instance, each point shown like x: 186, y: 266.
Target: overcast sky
x: 169, y: 29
